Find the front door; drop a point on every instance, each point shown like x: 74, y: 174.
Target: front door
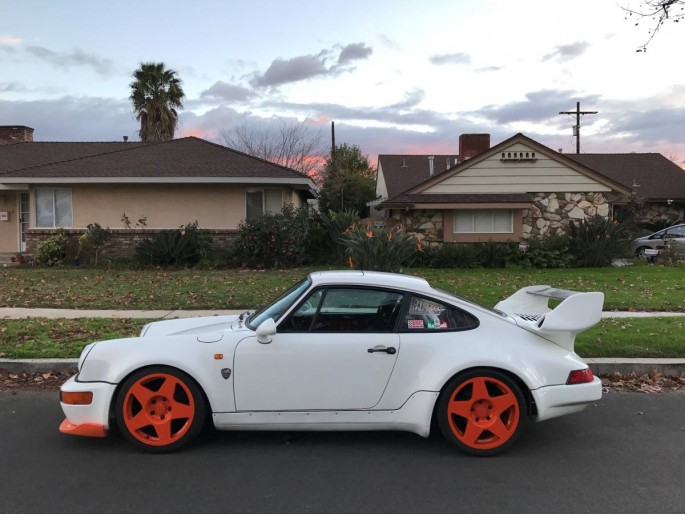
x: 335, y: 352
x: 23, y: 220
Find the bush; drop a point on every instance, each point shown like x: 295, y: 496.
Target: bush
x: 379, y: 249
x: 278, y: 240
x: 458, y: 255
x: 335, y: 224
x: 596, y: 242
x: 495, y: 255
x: 53, y: 250
x: 548, y: 252
x: 92, y: 240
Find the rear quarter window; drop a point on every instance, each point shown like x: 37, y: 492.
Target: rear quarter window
x: 427, y: 315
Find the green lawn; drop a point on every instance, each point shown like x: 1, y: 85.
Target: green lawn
x: 43, y: 338
x: 641, y: 287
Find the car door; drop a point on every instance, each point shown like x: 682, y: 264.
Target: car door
x: 336, y: 351
x: 677, y: 236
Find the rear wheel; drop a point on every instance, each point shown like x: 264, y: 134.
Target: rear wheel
x: 160, y: 409
x: 640, y: 252
x: 481, y: 412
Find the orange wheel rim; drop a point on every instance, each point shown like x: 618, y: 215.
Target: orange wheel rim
x: 158, y: 409
x: 483, y: 413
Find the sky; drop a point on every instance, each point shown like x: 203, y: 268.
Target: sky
x: 395, y: 76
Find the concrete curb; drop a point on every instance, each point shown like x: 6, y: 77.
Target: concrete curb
x: 603, y: 366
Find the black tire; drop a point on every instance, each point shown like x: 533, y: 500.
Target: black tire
x: 640, y: 252
x: 481, y: 412
x: 160, y: 409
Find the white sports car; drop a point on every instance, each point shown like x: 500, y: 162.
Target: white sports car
x: 344, y: 350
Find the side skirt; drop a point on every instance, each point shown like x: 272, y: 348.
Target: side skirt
x: 414, y: 416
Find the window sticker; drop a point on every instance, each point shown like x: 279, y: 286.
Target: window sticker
x: 415, y: 323
x: 437, y: 325
x: 421, y: 306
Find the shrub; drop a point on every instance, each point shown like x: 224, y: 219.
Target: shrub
x: 495, y: 255
x: 277, y: 240
x: 92, y: 240
x: 379, y: 249
x: 53, y: 250
x: 549, y: 252
x: 335, y: 224
x: 167, y: 248
x: 597, y: 241
x: 458, y: 255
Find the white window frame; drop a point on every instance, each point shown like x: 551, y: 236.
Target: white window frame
x: 464, y: 212
x: 54, y: 206
x: 263, y: 192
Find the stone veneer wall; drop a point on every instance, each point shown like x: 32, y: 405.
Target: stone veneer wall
x: 426, y: 225
x: 552, y: 213
x: 661, y: 212
x: 121, y: 243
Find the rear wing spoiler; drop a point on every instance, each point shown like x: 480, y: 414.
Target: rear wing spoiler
x: 577, y: 312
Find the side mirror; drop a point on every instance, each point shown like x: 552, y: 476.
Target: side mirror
x: 266, y: 331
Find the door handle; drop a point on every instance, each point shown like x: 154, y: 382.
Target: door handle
x: 390, y: 350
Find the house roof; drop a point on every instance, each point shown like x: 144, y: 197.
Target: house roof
x: 656, y: 177
x: 402, y: 172
x: 187, y: 159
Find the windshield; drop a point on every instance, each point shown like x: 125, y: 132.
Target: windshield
x: 281, y: 304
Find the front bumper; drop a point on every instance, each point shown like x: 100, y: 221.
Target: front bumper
x: 555, y: 401
x: 88, y: 420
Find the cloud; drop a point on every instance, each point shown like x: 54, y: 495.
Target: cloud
x: 488, y: 68
x: 458, y: 58
x: 223, y: 91
x: 9, y: 40
x: 101, y: 66
x: 563, y: 53
x: 9, y: 87
x: 537, y: 107
x: 411, y: 99
x: 303, y: 67
x: 354, y: 52
x: 74, y: 119
x: 390, y: 43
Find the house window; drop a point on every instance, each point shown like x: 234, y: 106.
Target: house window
x: 259, y: 201
x: 483, y: 221
x: 53, y: 208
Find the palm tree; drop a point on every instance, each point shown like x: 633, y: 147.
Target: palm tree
x: 156, y: 94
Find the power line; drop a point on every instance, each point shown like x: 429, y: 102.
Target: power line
x: 576, y: 128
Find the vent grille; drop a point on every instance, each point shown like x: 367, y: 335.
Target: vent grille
x: 529, y: 317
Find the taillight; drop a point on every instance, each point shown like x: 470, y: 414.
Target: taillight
x: 580, y: 376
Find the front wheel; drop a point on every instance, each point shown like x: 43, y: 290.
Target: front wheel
x: 160, y: 409
x: 481, y: 412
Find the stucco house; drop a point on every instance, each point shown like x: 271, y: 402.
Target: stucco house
x: 519, y: 189
x: 49, y: 185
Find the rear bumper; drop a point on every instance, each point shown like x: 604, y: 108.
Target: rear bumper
x: 88, y: 420
x: 555, y: 401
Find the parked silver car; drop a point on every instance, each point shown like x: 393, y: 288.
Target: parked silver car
x: 672, y: 235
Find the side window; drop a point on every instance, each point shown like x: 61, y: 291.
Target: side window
x: 358, y: 310
x: 425, y: 315
x: 301, y: 319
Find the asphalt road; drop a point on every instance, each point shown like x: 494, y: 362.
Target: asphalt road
x: 626, y: 453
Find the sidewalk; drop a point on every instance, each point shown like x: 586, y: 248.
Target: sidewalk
x: 603, y: 366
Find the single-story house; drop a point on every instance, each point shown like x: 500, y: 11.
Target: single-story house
x: 519, y: 189
x: 133, y: 188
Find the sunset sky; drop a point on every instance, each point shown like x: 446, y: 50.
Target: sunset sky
x: 395, y: 76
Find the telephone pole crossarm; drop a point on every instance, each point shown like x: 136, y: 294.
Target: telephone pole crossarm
x: 576, y: 128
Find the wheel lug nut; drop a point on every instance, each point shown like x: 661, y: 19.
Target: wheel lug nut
x: 162, y: 416
x: 152, y: 412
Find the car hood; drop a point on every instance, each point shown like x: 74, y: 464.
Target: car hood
x: 193, y: 326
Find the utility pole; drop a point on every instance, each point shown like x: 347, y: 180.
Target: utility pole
x: 332, y: 140
x: 576, y: 128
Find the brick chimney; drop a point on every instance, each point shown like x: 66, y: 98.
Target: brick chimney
x: 471, y: 145
x: 15, y: 134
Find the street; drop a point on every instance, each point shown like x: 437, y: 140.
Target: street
x: 626, y: 453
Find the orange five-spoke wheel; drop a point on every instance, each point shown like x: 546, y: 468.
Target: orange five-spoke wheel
x: 160, y: 409
x: 481, y: 412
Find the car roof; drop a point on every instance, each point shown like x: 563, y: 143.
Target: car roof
x: 371, y: 278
